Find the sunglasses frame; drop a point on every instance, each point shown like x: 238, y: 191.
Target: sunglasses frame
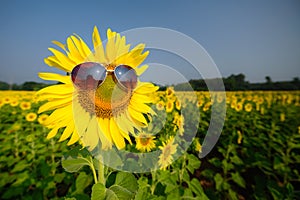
x: 110, y: 71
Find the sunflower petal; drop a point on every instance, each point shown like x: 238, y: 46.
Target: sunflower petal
x: 104, y: 128
x: 74, y: 138
x: 141, y: 70
x: 58, y: 115
x: 67, y: 132
x: 59, y: 44
x: 116, y: 135
x: 74, y: 53
x: 142, y: 98
x: 137, y: 115
x: 98, y: 47
x: 55, y: 104
x: 62, y: 58
x: 90, y: 138
x: 55, y: 77
x: 57, y: 89
x: 53, y: 62
x: 52, y: 133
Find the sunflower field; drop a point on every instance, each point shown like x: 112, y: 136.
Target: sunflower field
x: 256, y: 157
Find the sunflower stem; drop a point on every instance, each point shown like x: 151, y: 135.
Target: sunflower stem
x: 93, y: 170
x: 101, y: 178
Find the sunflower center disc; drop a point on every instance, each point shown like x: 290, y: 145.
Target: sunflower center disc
x: 107, y: 100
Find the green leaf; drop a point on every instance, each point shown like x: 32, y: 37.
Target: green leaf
x: 227, y: 166
x: 98, y: 192
x: 82, y: 181
x: 215, y: 161
x: 232, y: 194
x: 195, y: 186
x: 193, y: 163
x: 218, y: 180
x: 238, y: 179
x: 174, y: 194
x: 71, y: 164
x: 20, y: 166
x: 127, y: 181
x: 124, y: 188
x: 236, y: 160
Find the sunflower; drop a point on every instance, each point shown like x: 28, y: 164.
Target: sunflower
x: 101, y: 100
x: 170, y: 92
x: 14, y: 102
x: 239, y: 106
x: 160, y: 105
x: 1, y: 103
x: 179, y: 122
x: 6, y: 100
x: 30, y: 117
x: 178, y: 104
x: 24, y: 105
x: 169, y: 106
x: 42, y: 118
x: 168, y: 150
x: 248, y: 107
x: 145, y: 142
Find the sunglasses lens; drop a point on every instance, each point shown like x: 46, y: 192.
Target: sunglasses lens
x: 126, y: 76
x: 88, y: 75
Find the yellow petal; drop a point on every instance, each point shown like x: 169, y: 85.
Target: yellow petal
x: 140, y: 107
x: 57, y: 89
x: 116, y: 135
x: 74, y: 138
x: 63, y: 59
x: 74, y: 52
x: 52, y: 133
x: 55, y: 77
x: 90, y: 139
x: 55, y: 104
x: 53, y: 62
x: 104, y: 128
x: 59, y: 114
x: 105, y: 143
x: 123, y: 124
x: 53, y: 97
x: 145, y: 88
x: 98, y: 47
x: 67, y: 132
x: 60, y: 45
x: 81, y: 118
x: 137, y: 115
x: 142, y: 98
x: 141, y: 70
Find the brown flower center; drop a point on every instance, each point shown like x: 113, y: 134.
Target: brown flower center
x: 108, y: 100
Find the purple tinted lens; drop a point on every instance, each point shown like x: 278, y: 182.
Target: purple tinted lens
x: 126, y: 76
x: 88, y: 75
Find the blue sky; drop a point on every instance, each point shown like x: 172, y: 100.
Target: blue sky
x: 257, y: 38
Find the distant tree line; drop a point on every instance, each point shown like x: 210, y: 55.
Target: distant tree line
x: 238, y: 83
x: 28, y: 86
x: 231, y: 83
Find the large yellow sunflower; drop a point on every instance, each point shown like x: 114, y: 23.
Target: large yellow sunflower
x: 101, y: 100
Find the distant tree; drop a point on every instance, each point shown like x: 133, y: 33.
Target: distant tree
x: 268, y: 79
x: 4, y: 86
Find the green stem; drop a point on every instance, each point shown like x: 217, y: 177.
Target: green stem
x: 93, y: 170
x: 182, y: 169
x: 101, y: 178
x: 153, y: 185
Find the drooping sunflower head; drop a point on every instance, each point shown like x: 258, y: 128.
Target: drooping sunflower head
x: 101, y: 100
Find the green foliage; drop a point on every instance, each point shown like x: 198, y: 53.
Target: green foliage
x: 256, y: 157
